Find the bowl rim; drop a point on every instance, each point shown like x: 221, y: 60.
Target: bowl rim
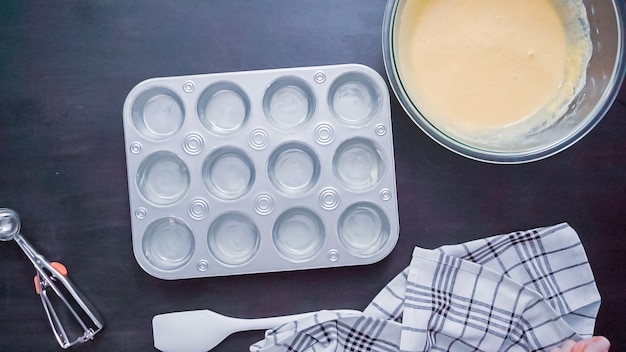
x: 480, y: 154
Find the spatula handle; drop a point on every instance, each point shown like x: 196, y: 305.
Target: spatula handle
x: 272, y: 322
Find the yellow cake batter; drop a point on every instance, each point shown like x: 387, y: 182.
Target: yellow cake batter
x: 479, y: 65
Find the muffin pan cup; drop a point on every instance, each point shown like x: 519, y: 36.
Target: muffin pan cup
x: 260, y: 171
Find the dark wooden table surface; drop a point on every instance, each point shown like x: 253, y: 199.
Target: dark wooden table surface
x: 65, y: 70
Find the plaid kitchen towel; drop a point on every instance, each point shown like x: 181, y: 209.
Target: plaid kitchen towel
x: 523, y: 291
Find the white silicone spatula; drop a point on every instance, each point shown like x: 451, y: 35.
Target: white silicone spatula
x: 201, y: 330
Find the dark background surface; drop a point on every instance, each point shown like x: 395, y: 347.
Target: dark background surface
x: 65, y: 70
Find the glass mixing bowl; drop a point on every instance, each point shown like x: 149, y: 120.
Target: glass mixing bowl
x: 604, y: 75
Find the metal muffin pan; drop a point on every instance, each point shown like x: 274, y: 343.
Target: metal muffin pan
x: 260, y: 171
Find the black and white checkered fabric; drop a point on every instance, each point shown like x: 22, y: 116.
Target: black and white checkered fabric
x: 524, y: 291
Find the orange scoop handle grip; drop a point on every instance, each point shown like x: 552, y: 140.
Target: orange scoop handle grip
x: 60, y: 268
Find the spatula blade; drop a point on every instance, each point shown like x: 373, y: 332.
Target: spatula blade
x: 182, y: 331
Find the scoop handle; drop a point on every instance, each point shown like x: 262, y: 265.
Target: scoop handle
x: 54, y: 276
